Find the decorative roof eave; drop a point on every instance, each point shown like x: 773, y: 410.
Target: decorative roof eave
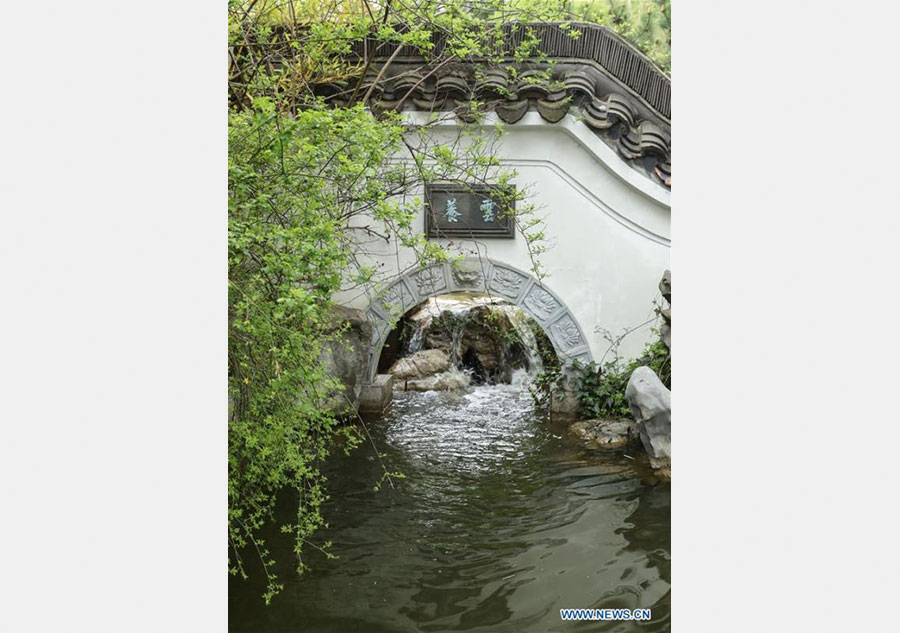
x: 601, y: 79
x: 596, y: 44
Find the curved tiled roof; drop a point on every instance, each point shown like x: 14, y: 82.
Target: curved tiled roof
x: 596, y: 43
x: 607, y: 83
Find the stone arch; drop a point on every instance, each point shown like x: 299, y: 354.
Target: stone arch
x: 485, y: 276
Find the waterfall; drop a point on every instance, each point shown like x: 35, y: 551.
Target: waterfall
x: 456, y: 332
x: 512, y: 355
x: 521, y: 323
x: 418, y: 337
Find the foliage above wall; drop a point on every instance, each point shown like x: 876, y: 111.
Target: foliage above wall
x: 645, y: 23
x: 309, y: 190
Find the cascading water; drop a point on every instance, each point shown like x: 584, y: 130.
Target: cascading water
x: 524, y: 329
x: 476, y: 331
x: 501, y: 519
x: 417, y: 338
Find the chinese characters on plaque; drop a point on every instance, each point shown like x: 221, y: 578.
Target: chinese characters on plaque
x: 467, y: 211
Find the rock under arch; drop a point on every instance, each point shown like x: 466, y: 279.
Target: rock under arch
x: 478, y: 275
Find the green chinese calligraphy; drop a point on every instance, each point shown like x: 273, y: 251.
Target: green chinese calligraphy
x: 450, y: 211
x: 487, y: 210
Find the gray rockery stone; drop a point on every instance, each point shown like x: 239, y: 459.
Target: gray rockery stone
x: 665, y: 287
x: 346, y: 358
x: 422, y: 364
x: 651, y: 406
x: 603, y: 433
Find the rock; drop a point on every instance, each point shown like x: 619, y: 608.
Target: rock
x: 422, y: 364
x: 481, y: 343
x: 564, y: 403
x: 347, y: 357
x: 438, y: 331
x: 603, y: 433
x: 448, y: 381
x: 650, y: 404
x: 480, y: 339
x: 376, y: 396
x: 564, y: 398
x: 488, y: 345
x: 665, y: 285
x: 662, y: 472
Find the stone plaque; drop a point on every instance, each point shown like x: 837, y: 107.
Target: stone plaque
x: 467, y: 211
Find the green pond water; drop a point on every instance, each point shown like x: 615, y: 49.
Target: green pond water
x: 502, y: 520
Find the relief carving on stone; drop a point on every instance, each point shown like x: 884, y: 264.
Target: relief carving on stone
x: 507, y: 282
x: 394, y: 300
x: 566, y: 331
x: 541, y: 303
x: 468, y: 277
x: 430, y: 281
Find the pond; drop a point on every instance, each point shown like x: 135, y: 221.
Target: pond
x: 502, y: 520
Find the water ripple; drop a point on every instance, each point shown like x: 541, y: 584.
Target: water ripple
x: 499, y: 524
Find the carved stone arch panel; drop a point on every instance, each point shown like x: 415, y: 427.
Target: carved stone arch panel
x: 482, y: 276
